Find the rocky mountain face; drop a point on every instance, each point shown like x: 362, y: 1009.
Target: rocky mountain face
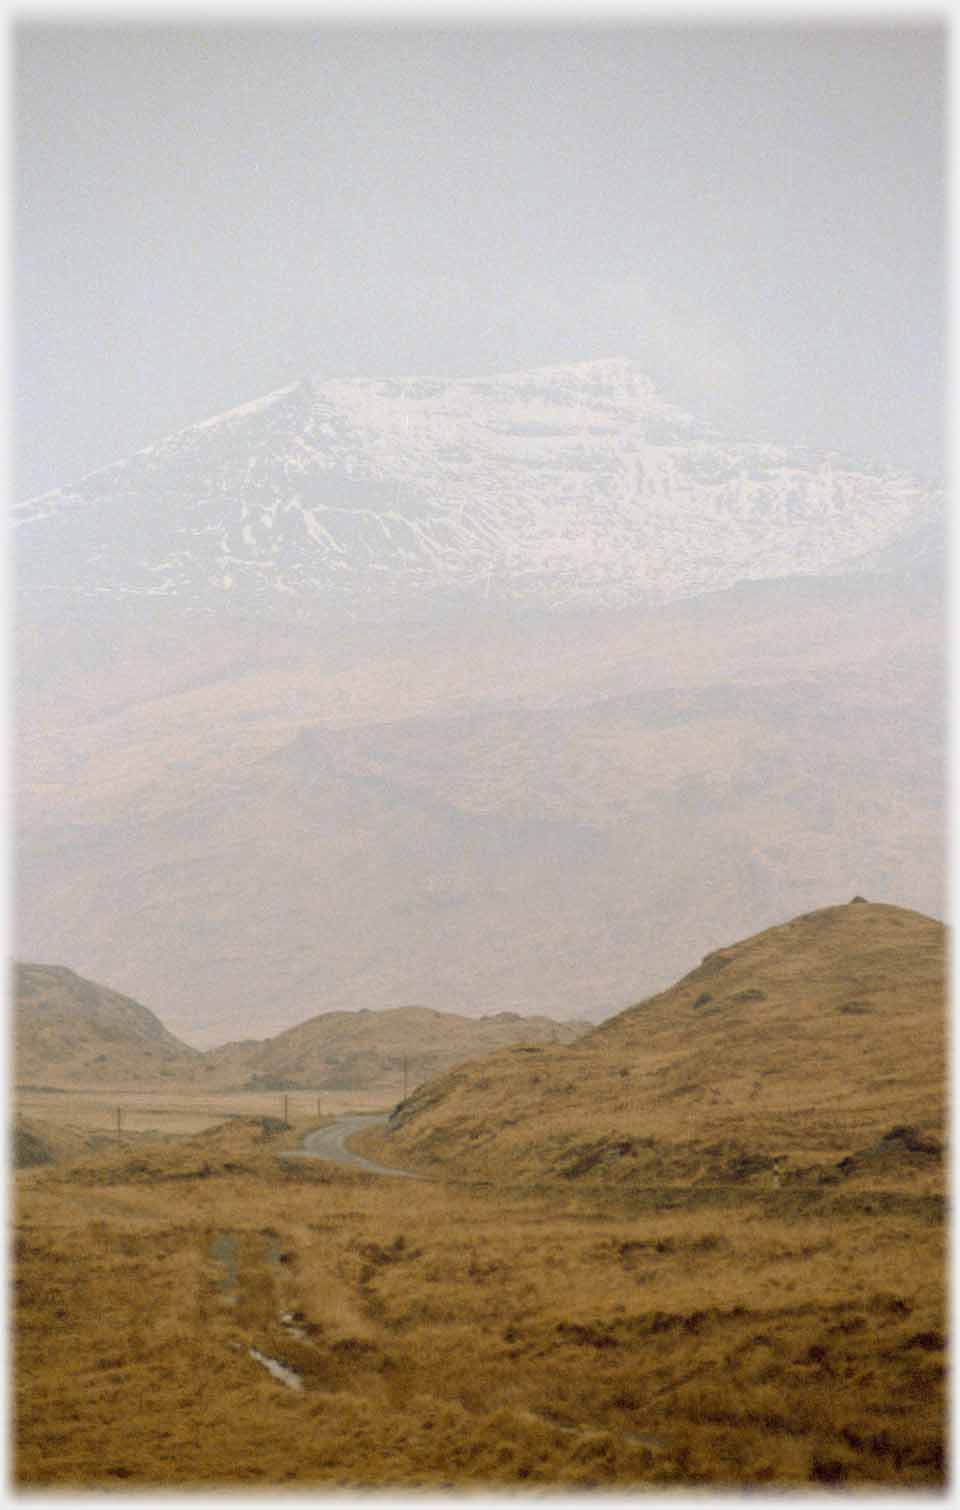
x: 432, y: 691
x: 565, y: 486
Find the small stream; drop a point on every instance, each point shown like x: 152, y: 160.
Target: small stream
x: 224, y: 1250
x: 287, y: 1376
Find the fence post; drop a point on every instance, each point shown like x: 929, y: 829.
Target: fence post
x: 284, y: 1108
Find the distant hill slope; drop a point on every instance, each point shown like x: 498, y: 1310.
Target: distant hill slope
x: 782, y: 1057
x: 361, y: 1050
x: 71, y: 1031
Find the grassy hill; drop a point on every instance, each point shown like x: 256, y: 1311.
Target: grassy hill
x: 366, y: 1050
x: 803, y: 1053
x: 71, y: 1031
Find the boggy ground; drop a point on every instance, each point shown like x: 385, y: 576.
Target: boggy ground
x: 469, y: 1334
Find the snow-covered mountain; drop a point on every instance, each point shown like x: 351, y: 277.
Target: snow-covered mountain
x: 575, y: 485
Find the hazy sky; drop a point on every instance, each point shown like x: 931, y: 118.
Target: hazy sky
x: 204, y: 213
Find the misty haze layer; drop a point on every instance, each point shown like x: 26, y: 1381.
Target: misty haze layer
x: 344, y: 700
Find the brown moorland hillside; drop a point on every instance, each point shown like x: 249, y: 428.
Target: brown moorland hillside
x: 804, y: 1053
x: 72, y: 1031
x: 366, y: 1050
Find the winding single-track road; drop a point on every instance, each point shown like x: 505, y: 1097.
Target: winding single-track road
x: 330, y: 1143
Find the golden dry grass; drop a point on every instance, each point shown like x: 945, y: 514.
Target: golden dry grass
x: 450, y: 1334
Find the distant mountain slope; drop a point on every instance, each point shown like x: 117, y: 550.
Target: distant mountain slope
x: 809, y: 1051
x: 248, y: 825
x: 364, y: 1049
x: 68, y: 1030
x: 559, y: 487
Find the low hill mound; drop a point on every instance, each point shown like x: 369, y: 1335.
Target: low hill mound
x: 807, y: 1052
x: 34, y: 1142
x: 366, y: 1049
x: 71, y: 1031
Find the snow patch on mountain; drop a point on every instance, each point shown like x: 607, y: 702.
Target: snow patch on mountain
x: 574, y: 484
